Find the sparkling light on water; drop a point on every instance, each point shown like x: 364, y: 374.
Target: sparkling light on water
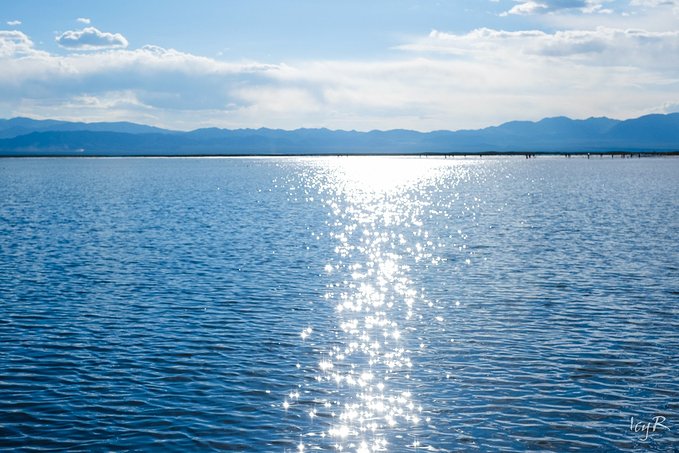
x: 376, y: 210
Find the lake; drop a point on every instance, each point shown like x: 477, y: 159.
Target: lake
x: 339, y: 304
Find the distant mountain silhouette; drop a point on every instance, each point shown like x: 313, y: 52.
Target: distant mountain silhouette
x: 651, y: 133
x: 20, y: 126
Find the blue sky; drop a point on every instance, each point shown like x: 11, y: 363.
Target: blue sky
x: 421, y: 65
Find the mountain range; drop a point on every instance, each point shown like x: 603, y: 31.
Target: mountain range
x: 650, y: 133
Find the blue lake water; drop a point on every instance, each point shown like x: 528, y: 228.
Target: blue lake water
x: 339, y: 304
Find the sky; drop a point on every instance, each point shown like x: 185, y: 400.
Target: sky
x: 352, y: 65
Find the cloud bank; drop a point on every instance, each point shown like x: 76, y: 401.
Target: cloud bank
x: 437, y: 81
x: 90, y: 38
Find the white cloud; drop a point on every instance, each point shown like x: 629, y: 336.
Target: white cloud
x: 441, y: 81
x: 164, y: 82
x: 668, y: 107
x: 600, y: 47
x: 90, y: 38
x: 528, y: 8
x: 628, y: 16
x: 13, y: 23
x: 551, y: 6
x: 15, y: 44
x: 83, y: 20
x: 658, y: 4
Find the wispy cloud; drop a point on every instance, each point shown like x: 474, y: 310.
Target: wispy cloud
x: 83, y: 20
x: 669, y: 107
x: 659, y: 4
x: 550, y: 6
x: 90, y: 38
x: 601, y: 46
x: 13, y: 23
x: 655, y: 3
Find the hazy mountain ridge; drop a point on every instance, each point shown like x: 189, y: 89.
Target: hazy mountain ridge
x: 15, y: 127
x: 25, y: 136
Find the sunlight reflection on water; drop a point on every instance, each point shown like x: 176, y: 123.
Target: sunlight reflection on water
x: 525, y: 304
x: 377, y: 207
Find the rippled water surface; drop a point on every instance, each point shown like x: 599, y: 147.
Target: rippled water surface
x: 339, y: 304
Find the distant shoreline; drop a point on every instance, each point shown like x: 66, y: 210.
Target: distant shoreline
x: 527, y: 155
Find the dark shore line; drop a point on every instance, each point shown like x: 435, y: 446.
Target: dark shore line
x: 527, y: 155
